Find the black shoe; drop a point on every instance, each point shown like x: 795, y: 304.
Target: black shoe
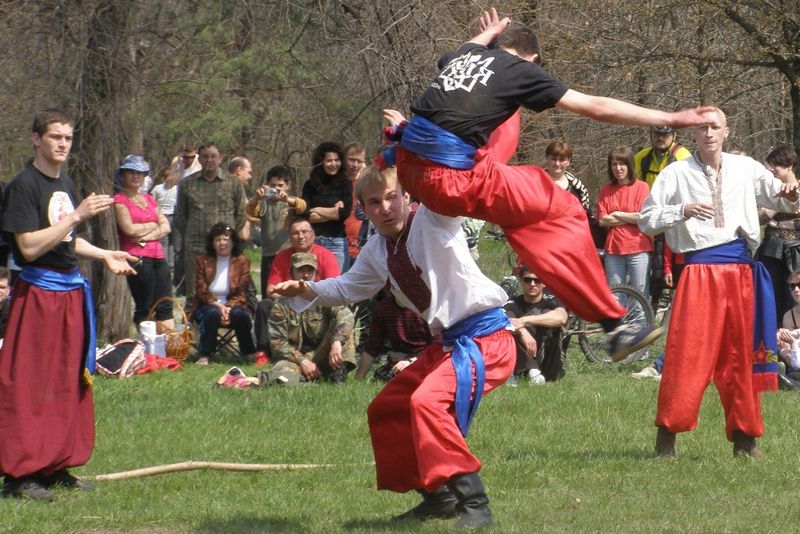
x: 65, y: 479
x: 339, y: 376
x: 787, y: 384
x: 26, y: 487
x: 473, y: 504
x: 438, y: 505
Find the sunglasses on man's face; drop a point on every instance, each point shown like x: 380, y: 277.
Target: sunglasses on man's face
x: 530, y: 280
x: 794, y: 285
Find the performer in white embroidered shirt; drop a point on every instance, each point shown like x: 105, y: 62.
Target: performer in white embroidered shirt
x: 424, y: 259
x: 707, y: 206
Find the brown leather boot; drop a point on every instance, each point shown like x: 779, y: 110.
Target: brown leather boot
x: 665, y: 443
x: 744, y: 445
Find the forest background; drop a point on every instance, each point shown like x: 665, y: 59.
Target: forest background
x: 272, y: 79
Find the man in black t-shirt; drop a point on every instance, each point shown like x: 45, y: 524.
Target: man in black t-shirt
x: 453, y: 154
x: 538, y: 319
x: 46, y: 410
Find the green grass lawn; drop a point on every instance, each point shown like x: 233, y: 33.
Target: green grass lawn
x: 568, y: 456
x: 571, y: 456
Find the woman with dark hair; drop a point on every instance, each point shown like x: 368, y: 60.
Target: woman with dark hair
x: 223, y: 282
x: 141, y: 226
x: 627, y: 248
x: 329, y: 196
x: 780, y: 249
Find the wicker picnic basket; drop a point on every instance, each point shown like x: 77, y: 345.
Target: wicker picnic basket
x: 177, y: 343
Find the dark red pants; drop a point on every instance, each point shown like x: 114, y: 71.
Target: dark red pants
x: 46, y: 412
x: 546, y: 226
x: 415, y: 436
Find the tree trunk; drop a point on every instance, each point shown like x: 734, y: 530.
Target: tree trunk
x: 794, y: 93
x: 104, y: 81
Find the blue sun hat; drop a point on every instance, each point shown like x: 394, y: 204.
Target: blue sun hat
x: 131, y: 162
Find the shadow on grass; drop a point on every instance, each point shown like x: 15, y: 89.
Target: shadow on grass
x: 602, y: 455
x: 386, y: 524
x: 243, y: 525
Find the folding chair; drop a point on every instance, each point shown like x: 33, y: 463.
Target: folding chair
x: 227, y: 346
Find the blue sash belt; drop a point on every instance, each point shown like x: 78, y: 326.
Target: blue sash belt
x: 429, y: 141
x: 56, y: 281
x: 765, y: 323
x: 465, y: 353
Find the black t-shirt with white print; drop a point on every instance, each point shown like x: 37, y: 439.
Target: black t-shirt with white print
x: 34, y: 201
x: 479, y: 88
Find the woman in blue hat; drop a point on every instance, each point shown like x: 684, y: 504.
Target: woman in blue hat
x: 141, y: 226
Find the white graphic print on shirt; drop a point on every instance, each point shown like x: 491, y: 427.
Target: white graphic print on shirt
x: 464, y: 72
x: 59, y: 207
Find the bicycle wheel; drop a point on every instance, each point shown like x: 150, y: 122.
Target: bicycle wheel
x: 592, y: 338
x: 510, y: 285
x: 662, y: 317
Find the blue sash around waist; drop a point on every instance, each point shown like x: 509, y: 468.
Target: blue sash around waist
x: 57, y: 281
x: 765, y: 322
x: 429, y: 141
x: 465, y: 354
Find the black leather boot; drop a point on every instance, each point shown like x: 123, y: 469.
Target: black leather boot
x: 473, y: 504
x: 440, y: 504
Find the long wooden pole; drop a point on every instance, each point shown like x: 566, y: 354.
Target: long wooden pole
x: 192, y: 465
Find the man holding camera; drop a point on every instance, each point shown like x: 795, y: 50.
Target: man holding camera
x: 270, y: 206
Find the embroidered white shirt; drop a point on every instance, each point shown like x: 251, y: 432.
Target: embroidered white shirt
x: 744, y: 185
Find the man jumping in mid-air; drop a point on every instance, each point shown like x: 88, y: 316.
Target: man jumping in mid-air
x: 447, y: 160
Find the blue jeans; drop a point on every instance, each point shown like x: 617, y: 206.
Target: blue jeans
x: 339, y: 247
x: 209, y: 318
x: 659, y: 363
x: 629, y: 269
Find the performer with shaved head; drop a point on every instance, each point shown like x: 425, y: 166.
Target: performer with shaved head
x: 723, y: 318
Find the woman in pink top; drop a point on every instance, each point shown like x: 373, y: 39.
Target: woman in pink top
x: 141, y: 225
x: 627, y: 248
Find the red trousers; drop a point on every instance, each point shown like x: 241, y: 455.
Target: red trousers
x: 46, y: 412
x: 415, y: 436
x: 546, y: 226
x: 711, y: 338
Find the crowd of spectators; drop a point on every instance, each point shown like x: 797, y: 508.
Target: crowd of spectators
x: 191, y: 227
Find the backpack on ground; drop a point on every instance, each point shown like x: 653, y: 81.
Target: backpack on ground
x: 122, y: 359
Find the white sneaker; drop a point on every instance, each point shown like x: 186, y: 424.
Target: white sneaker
x: 647, y: 372
x: 536, y: 377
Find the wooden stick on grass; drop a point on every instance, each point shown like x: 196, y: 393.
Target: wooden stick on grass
x: 192, y: 465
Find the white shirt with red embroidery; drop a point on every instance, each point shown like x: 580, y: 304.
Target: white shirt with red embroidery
x: 743, y: 187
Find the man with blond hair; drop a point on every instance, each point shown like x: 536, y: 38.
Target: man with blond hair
x: 419, y: 420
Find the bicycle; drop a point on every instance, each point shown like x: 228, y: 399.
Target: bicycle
x: 593, y: 340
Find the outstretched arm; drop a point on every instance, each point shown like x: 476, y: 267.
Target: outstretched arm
x: 117, y: 261
x: 615, y: 111
x: 293, y: 288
